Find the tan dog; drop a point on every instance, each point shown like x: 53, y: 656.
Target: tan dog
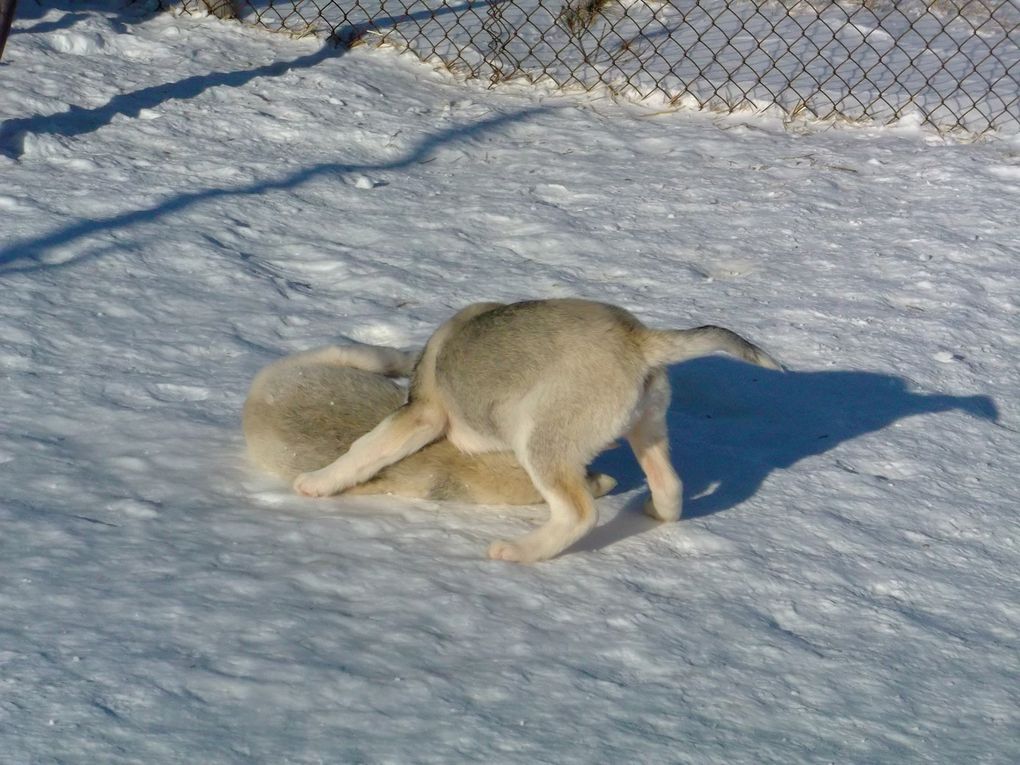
x: 305, y: 410
x: 556, y: 382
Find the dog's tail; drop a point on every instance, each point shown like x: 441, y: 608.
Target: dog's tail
x: 663, y: 347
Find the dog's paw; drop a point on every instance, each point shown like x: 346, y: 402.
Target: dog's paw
x: 600, y: 484
x: 503, y: 550
x: 314, y: 484
x: 667, y: 511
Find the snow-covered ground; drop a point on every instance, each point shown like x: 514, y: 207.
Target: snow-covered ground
x: 183, y: 201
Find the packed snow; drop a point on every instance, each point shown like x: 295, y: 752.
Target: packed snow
x: 185, y: 200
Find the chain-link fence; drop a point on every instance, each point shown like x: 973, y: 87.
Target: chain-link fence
x: 954, y: 64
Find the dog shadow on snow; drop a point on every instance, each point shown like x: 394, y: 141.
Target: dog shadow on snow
x: 731, y: 425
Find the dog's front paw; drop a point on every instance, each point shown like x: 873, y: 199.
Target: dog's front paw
x: 315, y: 484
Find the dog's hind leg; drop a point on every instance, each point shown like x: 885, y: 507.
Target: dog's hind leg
x: 649, y: 439
x: 572, y: 514
x: 405, y: 431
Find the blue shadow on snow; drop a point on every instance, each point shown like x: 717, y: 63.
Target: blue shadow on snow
x: 32, y: 250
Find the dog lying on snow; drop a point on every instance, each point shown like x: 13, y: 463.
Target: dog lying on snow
x: 553, y: 381
x: 305, y: 410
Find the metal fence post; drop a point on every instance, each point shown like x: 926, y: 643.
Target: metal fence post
x: 6, y: 18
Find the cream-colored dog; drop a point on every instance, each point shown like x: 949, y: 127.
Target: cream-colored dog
x: 556, y: 382
x: 305, y: 410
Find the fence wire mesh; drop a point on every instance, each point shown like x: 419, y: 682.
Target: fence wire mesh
x: 954, y: 64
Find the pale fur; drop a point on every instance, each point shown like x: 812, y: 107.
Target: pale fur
x: 556, y: 382
x: 305, y: 410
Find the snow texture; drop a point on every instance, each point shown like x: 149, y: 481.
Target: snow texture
x: 183, y: 202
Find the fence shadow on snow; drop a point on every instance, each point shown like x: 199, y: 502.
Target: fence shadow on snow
x: 91, y: 238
